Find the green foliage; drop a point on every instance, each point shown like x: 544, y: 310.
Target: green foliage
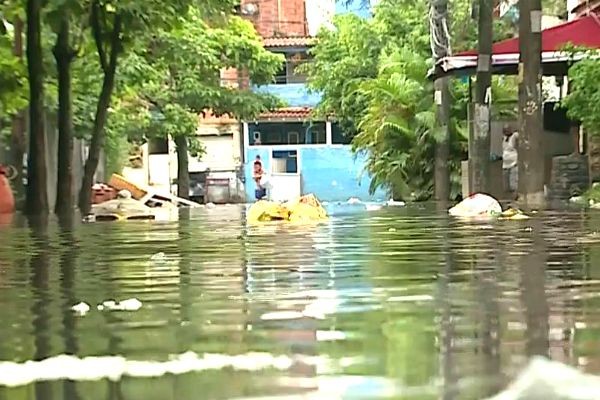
x: 372, y: 77
x: 583, y: 101
x: 398, y: 129
x: 13, y: 76
x: 172, y: 77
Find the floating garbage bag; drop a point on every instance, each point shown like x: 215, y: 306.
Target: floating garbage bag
x: 550, y: 380
x: 302, y: 209
x: 476, y: 206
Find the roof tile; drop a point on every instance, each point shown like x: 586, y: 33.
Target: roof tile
x: 293, y: 41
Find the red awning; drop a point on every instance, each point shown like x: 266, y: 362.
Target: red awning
x: 584, y: 32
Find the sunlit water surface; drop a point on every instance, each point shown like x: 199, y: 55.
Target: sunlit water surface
x: 399, y: 303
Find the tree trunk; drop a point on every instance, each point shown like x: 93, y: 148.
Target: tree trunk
x: 64, y: 57
x: 440, y: 45
x: 480, y: 159
x: 97, y: 142
x: 442, y: 148
x: 183, y: 174
x: 37, y: 190
x: 531, y: 154
x: 18, y: 145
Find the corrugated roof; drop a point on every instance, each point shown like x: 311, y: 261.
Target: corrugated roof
x: 287, y: 113
x: 292, y: 41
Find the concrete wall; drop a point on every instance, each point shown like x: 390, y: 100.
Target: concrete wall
x: 331, y: 172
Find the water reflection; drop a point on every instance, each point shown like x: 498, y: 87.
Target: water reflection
x: 40, y: 270
x: 397, y: 303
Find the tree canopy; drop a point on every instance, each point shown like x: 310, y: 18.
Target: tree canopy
x: 372, y: 76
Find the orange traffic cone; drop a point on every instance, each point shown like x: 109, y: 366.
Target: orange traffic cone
x: 7, y: 200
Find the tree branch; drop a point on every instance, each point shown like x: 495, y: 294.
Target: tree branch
x: 97, y: 33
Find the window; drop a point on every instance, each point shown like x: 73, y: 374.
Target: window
x: 338, y: 136
x: 158, y: 146
x: 285, y: 162
x: 316, y: 134
x: 293, y: 138
x: 284, y: 133
x: 290, y: 70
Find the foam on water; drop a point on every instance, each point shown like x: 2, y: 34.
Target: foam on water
x: 66, y: 367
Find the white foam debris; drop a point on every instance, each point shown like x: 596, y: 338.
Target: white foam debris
x: 330, y: 336
x: 132, y: 304
x: 158, y: 257
x: 210, y: 205
x: 281, y: 315
x: 417, y: 297
x: 65, y: 367
x: 373, y: 207
x: 354, y: 200
x: 551, y: 380
x: 394, y: 203
x: 81, y: 308
x: 320, y: 308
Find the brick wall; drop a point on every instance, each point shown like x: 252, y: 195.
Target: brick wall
x: 279, y: 17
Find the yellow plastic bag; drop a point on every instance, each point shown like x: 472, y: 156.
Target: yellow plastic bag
x: 303, y: 209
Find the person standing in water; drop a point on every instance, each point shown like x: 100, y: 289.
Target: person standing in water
x: 260, y: 192
x: 510, y: 160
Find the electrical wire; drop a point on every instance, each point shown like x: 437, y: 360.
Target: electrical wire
x: 439, y: 31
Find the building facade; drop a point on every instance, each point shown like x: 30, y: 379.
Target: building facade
x: 300, y: 155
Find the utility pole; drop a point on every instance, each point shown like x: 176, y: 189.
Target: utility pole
x: 480, y: 157
x: 531, y: 154
x: 440, y: 47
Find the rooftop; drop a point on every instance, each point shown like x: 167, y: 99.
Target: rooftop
x: 293, y: 113
x: 291, y: 41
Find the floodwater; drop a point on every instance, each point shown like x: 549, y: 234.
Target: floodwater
x: 398, y: 303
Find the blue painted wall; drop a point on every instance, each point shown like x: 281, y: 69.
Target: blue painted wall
x: 332, y: 173
x: 293, y: 94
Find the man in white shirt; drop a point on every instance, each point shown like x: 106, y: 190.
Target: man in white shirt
x: 510, y: 159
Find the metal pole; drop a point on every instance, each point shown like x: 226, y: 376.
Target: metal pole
x: 480, y: 159
x: 531, y: 155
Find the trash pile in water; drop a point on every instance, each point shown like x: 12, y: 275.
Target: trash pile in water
x: 483, y: 206
x: 551, y: 380
x: 121, y: 199
x: 302, y: 209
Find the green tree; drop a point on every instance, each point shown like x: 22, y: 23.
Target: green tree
x: 13, y: 89
x: 61, y: 15
x: 118, y: 27
x: 37, y: 189
x: 398, y: 129
x: 351, y: 70
x: 583, y: 100
x: 178, y: 85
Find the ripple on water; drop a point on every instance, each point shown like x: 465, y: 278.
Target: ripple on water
x: 398, y: 302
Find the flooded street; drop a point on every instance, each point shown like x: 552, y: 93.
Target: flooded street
x: 399, y: 303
